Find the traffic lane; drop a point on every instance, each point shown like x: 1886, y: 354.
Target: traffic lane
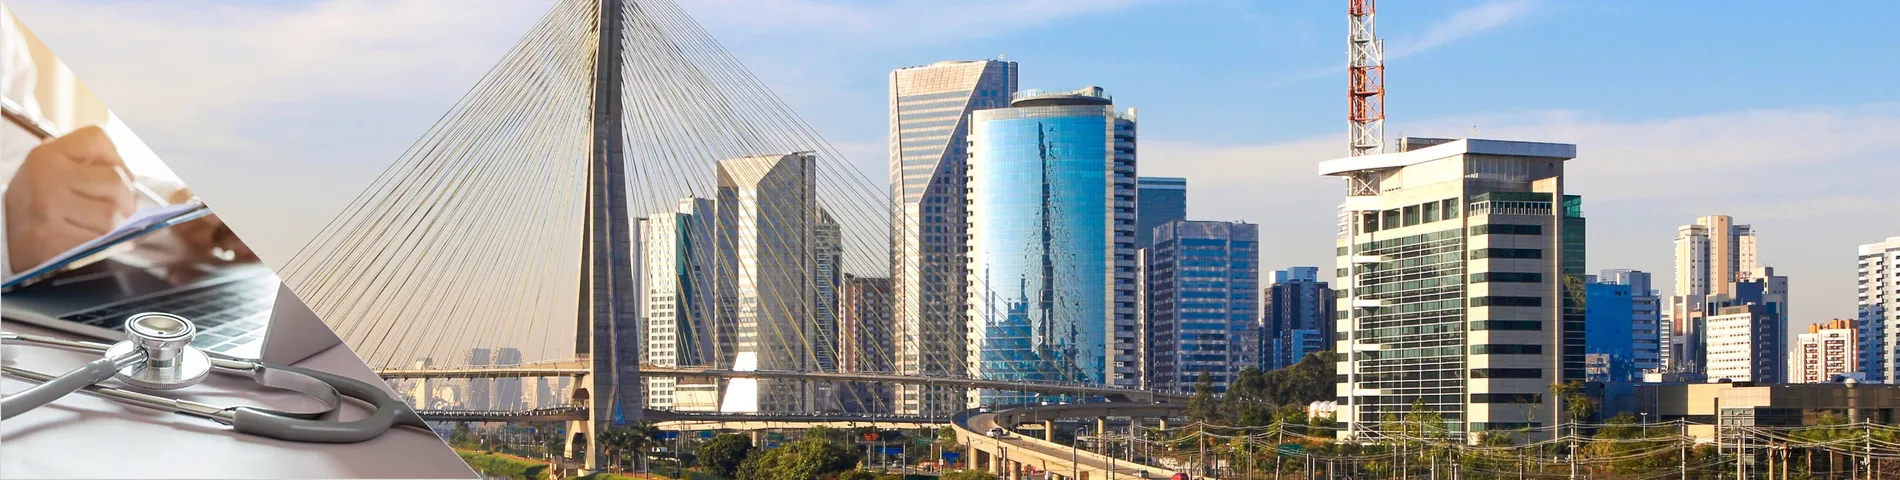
x: 983, y: 422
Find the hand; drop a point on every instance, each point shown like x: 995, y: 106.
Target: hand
x: 68, y: 190
x: 209, y: 235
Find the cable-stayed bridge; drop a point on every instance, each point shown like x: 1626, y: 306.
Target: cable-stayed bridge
x: 619, y: 201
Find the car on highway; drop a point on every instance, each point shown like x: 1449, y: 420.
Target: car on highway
x: 998, y: 432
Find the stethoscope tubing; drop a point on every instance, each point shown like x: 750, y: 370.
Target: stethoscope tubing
x: 326, y: 387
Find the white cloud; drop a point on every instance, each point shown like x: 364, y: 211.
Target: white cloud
x: 1462, y: 24
x: 1465, y: 23
x: 1815, y: 181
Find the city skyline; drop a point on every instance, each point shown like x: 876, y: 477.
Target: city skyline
x: 1246, y: 166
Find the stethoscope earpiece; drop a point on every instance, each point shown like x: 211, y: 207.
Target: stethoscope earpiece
x: 157, y: 353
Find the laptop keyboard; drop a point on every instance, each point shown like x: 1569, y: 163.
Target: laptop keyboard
x: 230, y: 316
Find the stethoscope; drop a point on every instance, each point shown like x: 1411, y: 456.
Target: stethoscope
x: 157, y: 355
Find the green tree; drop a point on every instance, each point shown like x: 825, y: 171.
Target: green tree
x: 968, y: 475
x: 801, y: 460
x: 867, y: 475
x: 724, y: 454
x: 462, y: 436
x: 1202, y: 407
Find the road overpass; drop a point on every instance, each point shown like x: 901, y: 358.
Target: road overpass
x: 1011, y: 455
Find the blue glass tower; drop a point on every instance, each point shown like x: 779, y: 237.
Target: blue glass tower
x: 1609, y: 345
x: 1051, y: 262
x: 1206, y: 303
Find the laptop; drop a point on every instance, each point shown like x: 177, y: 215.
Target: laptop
x: 241, y: 310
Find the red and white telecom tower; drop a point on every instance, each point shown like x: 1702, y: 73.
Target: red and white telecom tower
x: 1367, y: 88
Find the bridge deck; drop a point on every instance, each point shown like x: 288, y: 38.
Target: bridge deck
x: 564, y: 369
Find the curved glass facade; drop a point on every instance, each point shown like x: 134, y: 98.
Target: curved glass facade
x: 1046, y: 242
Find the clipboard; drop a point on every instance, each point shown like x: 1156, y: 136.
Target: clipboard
x: 143, y: 223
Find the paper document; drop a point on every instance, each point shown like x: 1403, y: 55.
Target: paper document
x: 145, y: 221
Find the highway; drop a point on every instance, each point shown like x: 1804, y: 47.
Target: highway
x: 1027, y: 450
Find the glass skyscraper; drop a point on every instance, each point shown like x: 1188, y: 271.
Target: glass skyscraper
x: 930, y: 108
x: 1298, y: 317
x: 1160, y: 200
x: 1205, y: 277
x: 1051, y: 262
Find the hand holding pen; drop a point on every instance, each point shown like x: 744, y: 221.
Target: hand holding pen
x: 68, y: 190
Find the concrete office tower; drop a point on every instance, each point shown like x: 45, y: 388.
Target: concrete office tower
x: 930, y: 107
x: 678, y: 266
x: 864, y: 341
x: 1159, y: 200
x: 1879, y: 310
x: 421, y: 390
x: 828, y: 252
x: 1646, y: 327
x: 480, y: 392
x: 1052, y: 241
x: 767, y: 259
x: 1610, y: 344
x: 1205, y: 284
x: 1740, y: 347
x: 508, y: 389
x: 1461, y: 275
x: 1711, y: 255
x: 1827, y: 350
x: 1298, y: 317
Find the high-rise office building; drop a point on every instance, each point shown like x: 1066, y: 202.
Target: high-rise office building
x: 930, y: 107
x: 1159, y: 200
x: 1052, y: 254
x: 1610, y: 344
x: 480, y: 392
x: 1711, y: 255
x: 1461, y: 278
x: 1646, y: 329
x: 1205, y: 280
x: 864, y: 344
x: 507, y: 389
x: 1826, y: 351
x: 1745, y: 344
x: 1878, y: 306
x: 1298, y: 317
x: 766, y: 261
x: 678, y: 266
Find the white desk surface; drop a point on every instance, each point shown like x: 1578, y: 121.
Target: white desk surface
x: 84, y: 436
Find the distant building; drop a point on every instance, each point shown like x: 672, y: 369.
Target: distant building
x: 1609, y: 347
x: 1297, y: 317
x: 508, y: 395
x: 1460, y: 267
x: 1711, y: 255
x: 1204, y: 284
x: 1826, y: 351
x: 1746, y: 344
x: 929, y: 149
x: 1710, y: 408
x: 1646, y: 328
x: 479, y: 393
x: 864, y: 329
x: 1879, y: 310
x: 1051, y: 260
x: 1159, y: 200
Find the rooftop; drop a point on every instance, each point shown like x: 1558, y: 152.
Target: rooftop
x: 1089, y: 95
x: 1451, y: 148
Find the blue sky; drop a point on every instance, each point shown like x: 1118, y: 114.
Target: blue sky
x: 1780, y: 113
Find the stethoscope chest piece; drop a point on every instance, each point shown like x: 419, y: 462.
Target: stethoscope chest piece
x: 168, y: 361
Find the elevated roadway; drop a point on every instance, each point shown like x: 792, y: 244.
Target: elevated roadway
x: 1012, y: 455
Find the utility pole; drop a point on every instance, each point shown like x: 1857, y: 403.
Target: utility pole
x: 1682, y: 449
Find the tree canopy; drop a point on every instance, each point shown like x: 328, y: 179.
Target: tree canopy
x: 801, y: 460
x: 724, y: 453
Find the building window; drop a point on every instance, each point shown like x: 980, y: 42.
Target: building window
x: 1507, y: 373
x: 1507, y: 277
x: 1506, y: 398
x: 1517, y: 325
x: 1506, y: 229
x: 1506, y: 349
x: 1513, y: 253
x: 1503, y: 301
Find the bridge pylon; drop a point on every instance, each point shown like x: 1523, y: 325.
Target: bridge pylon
x: 608, y: 321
